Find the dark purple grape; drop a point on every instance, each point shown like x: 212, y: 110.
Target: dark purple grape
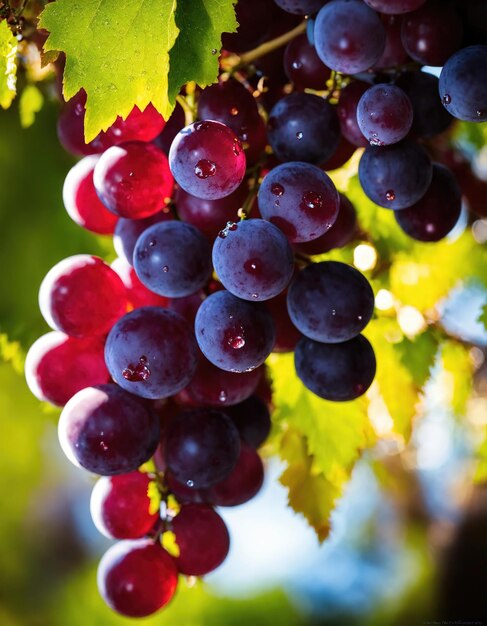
x: 151, y: 352
x: 207, y: 160
x: 211, y: 386
x: 174, y: 124
x: 133, y: 179
x: 429, y: 116
x: 202, y: 539
x: 128, y: 231
x: 210, y: 216
x: 300, y: 7
x: 463, y: 88
x: 173, y: 259
x: 58, y: 366
x: 287, y: 335
x: 107, y: 430
x: 232, y: 104
x: 395, y: 6
x: 347, y: 112
x: 137, y: 578
x: 433, y: 217
x: 303, y: 127
x: 81, y: 202
x: 303, y: 66
x: 384, y: 115
x: 235, y: 335
x: 82, y: 295
x: 201, y: 447
x: 71, y: 128
x: 349, y: 36
x: 396, y: 176
x: 300, y: 199
x: 120, y: 506
x: 252, y: 419
x: 330, y: 301
x: 341, y: 232
x: 243, y: 483
x: 394, y: 53
x: 433, y: 33
x: 337, y: 371
x: 253, y: 259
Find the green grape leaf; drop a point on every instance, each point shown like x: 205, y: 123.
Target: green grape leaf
x: 458, y: 369
x: 480, y: 474
x: 119, y: 52
x: 426, y: 273
x: 309, y: 493
x: 403, y: 367
x: 12, y: 352
x: 194, y: 56
x: 8, y: 66
x: 482, y: 318
x: 332, y: 436
x: 30, y: 103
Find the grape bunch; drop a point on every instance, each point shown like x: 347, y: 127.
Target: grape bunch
x: 158, y: 359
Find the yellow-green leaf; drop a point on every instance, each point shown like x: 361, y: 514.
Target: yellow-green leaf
x: 154, y: 496
x: 30, y: 103
x: 458, y: 369
x: 8, y: 66
x: 195, y: 53
x: 117, y: 51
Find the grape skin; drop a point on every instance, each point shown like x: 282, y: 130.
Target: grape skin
x: 253, y: 260
x: 396, y: 176
x: 173, y: 259
x: 234, y: 334
x: 330, y: 301
x: 151, y: 352
x: 108, y: 431
x: 338, y: 372
x: 384, y: 114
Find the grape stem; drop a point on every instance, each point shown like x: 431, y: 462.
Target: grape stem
x: 235, y: 61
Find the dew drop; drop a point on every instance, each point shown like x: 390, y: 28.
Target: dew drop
x: 296, y: 65
x: 277, y: 189
x: 222, y: 396
x: 234, y: 111
x: 165, y: 269
x: 390, y: 195
x: 255, y: 296
x: 222, y: 234
x: 446, y: 99
x: 205, y: 168
x: 375, y: 141
x: 103, y: 446
x: 479, y: 113
x: 137, y: 373
x: 237, y: 342
x: 299, y: 135
x: 214, y: 51
x: 312, y: 200
x: 333, y: 312
x: 190, y: 483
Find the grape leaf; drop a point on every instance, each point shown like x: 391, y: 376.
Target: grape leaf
x: 458, y: 368
x: 8, y: 65
x: 30, y: 103
x: 194, y: 55
x: 331, y: 438
x: 120, y: 52
x: 482, y: 318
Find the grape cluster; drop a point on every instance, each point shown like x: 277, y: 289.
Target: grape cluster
x: 159, y: 358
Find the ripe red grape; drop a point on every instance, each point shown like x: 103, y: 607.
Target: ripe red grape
x: 243, y: 483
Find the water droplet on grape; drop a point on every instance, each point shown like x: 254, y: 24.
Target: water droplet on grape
x: 103, y: 446
x: 390, y: 195
x: 446, y: 99
x: 222, y: 396
x: 296, y: 65
x: 480, y: 113
x: 237, y: 146
x: 375, y: 141
x: 299, y: 135
x: 165, y: 268
x: 312, y: 200
x: 277, y: 189
x: 255, y: 296
x: 205, y: 168
x: 237, y: 342
x: 190, y: 483
x: 137, y: 373
x: 234, y: 111
x: 333, y: 312
x: 430, y: 228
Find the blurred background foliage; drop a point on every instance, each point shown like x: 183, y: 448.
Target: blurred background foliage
x: 408, y: 539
